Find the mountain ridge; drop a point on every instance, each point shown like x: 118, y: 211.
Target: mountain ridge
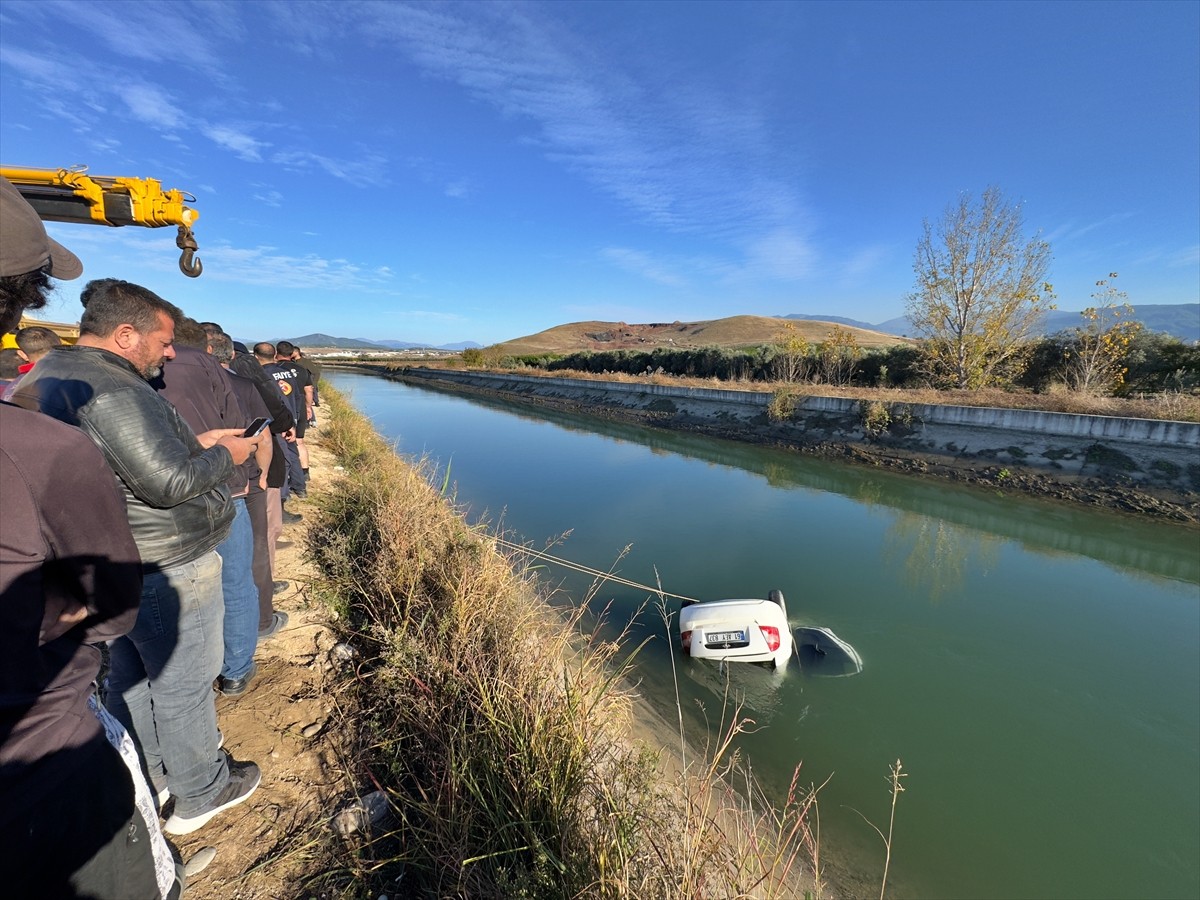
x: 1180, y: 320
x: 319, y: 340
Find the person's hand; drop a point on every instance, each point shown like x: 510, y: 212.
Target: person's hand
x: 56, y: 623
x: 290, y: 435
x: 240, y: 448
x: 212, y: 438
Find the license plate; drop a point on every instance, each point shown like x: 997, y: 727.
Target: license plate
x: 725, y: 637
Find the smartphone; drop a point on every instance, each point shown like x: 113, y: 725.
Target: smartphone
x: 257, y: 426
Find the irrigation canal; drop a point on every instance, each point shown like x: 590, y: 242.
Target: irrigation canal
x: 1036, y: 668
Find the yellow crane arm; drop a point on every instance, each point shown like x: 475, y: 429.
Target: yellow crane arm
x: 71, y: 195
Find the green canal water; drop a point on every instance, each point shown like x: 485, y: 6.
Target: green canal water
x: 1036, y: 668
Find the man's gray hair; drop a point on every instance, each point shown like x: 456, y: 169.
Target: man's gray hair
x: 110, y: 303
x: 221, y: 346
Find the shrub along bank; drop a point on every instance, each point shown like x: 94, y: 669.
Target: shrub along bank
x: 501, y: 734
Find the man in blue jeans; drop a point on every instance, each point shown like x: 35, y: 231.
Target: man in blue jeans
x: 200, y: 389
x: 160, y: 682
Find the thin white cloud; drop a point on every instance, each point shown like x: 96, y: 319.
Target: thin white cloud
x: 679, y: 159
x: 40, y: 69
x: 151, y: 105
x: 783, y: 254
x: 105, y: 145
x: 154, y: 250
x: 643, y: 265
x: 90, y: 93
x: 362, y: 172
x: 68, y: 112
x: 1188, y: 256
x: 142, y: 30
x: 1073, y: 230
x: 241, y: 144
x: 458, y: 190
x: 264, y: 266
x: 1176, y: 258
x: 269, y: 198
x: 85, y: 92
x: 864, y: 262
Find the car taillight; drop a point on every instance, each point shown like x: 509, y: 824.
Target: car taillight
x: 771, y: 633
x: 685, y: 640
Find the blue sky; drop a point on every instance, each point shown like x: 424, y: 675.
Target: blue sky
x: 481, y: 171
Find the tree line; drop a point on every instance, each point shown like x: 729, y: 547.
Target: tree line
x: 1152, y: 363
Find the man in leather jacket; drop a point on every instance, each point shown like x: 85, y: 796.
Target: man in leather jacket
x: 160, y: 682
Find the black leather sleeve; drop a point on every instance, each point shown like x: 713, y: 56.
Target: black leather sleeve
x: 152, y: 450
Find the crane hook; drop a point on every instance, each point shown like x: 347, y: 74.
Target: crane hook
x: 188, y: 264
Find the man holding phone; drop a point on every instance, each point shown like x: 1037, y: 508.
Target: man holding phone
x: 202, y: 391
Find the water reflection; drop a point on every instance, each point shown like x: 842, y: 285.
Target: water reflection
x: 1042, y: 526
x: 934, y: 554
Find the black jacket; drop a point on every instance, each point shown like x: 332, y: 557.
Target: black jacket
x: 70, y: 577
x: 198, y: 388
x: 246, y: 365
x: 175, y: 491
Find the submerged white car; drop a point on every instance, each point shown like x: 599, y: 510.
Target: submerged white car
x: 737, y: 630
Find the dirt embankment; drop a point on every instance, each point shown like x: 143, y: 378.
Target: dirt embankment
x: 287, y: 722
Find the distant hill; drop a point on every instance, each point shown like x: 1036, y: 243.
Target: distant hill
x: 320, y: 341
x: 839, y: 320
x: 461, y: 345
x: 736, y: 331
x: 1181, y: 320
x: 329, y: 342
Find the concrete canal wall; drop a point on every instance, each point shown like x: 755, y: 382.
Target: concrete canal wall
x: 1144, y: 451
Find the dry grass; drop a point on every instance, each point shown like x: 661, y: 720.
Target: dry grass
x: 734, y: 331
x: 502, y: 734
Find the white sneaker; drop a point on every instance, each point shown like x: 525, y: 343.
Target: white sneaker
x: 244, y: 778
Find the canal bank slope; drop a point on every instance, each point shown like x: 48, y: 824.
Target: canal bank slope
x: 495, y: 747
x: 1140, y: 466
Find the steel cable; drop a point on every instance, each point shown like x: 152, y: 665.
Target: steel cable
x: 586, y: 570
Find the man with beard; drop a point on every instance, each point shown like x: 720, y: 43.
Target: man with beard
x: 160, y: 682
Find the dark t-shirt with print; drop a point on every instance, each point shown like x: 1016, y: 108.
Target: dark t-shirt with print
x: 291, y: 381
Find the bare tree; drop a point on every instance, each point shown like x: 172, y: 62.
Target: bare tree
x: 838, y: 356
x: 791, y: 354
x: 1095, y: 357
x: 980, y: 290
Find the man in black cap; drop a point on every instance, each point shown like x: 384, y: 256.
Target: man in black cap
x: 68, y: 581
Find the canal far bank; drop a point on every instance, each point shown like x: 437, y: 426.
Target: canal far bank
x: 1139, y: 466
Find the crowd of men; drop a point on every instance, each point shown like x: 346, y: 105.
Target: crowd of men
x: 141, y: 512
